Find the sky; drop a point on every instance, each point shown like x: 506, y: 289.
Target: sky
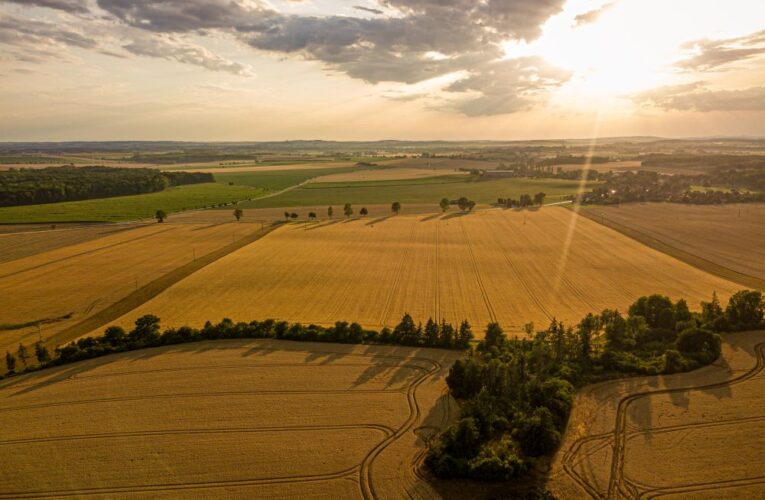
x: 249, y: 70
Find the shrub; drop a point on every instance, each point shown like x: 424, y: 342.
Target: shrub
x: 536, y: 433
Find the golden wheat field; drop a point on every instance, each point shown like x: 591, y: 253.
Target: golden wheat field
x: 83, y: 278
x: 227, y: 418
x: 732, y: 236
x: 493, y: 265
x: 691, y: 435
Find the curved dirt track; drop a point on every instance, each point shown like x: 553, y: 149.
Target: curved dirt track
x: 235, y: 418
x: 678, y: 436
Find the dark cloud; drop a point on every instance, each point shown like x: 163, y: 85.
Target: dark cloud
x: 714, y: 54
x: 696, y: 97
x: 467, y: 33
x: 368, y: 9
x: 175, y: 50
x: 593, y: 15
x: 179, y: 16
x: 71, y: 6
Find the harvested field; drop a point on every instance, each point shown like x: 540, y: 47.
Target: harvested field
x: 726, y: 240
x: 85, y: 278
x: 385, y: 174
x: 681, y: 436
x: 616, y: 166
x: 227, y: 418
x: 26, y: 241
x: 493, y: 265
x: 215, y: 168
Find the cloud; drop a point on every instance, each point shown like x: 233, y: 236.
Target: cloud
x: 396, y: 48
x: 38, y: 41
x: 71, y: 6
x: 714, y: 54
x: 174, y: 50
x: 592, y: 15
x: 696, y: 97
x: 507, y: 86
x: 179, y: 16
x: 368, y: 9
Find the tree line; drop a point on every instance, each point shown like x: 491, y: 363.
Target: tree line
x: 147, y: 332
x: 67, y: 183
x: 516, y: 394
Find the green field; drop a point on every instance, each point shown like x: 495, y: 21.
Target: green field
x: 121, y: 208
x: 276, y: 180
x: 429, y: 190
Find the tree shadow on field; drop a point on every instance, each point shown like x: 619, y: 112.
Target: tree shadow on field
x: 321, y: 225
x: 430, y: 217
x: 454, y: 215
x: 378, y: 220
x: 401, y: 365
x: 325, y: 357
x: 62, y: 374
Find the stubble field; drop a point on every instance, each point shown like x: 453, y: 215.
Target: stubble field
x: 231, y: 418
x: 727, y: 240
x: 88, y: 276
x: 506, y: 266
x: 692, y: 435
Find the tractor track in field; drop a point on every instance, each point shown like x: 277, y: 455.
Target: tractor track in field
x: 436, y: 293
x: 481, y: 286
x: 618, y: 485
x: 193, y: 432
x: 184, y: 395
x: 365, y: 477
x: 84, y: 492
x: 396, y: 280
x: 152, y: 289
x: 87, y: 252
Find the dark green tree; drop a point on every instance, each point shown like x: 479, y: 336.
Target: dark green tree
x: 444, y: 204
x: 395, y: 207
x: 348, y: 210
x: 330, y: 212
x: 41, y: 353
x: 23, y: 353
x: 539, y: 199
x: 10, y: 362
x: 160, y: 215
x: 364, y: 211
x: 238, y: 214
x: 745, y: 310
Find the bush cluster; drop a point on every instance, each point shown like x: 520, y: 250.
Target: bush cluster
x: 517, y: 393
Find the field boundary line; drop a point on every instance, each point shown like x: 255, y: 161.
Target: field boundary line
x: 691, y: 259
x: 152, y: 289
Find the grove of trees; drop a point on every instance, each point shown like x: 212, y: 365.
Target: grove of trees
x: 516, y: 394
x: 67, y: 183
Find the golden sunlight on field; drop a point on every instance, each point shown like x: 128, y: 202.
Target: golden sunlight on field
x: 679, y: 436
x: 83, y: 278
x: 227, y: 418
x: 505, y: 266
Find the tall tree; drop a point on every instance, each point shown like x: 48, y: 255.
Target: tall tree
x: 23, y: 354
x: 364, y: 211
x: 160, y: 215
x: 348, y: 210
x: 539, y: 199
x: 444, y: 204
x: 238, y: 214
x: 41, y: 353
x: 10, y: 361
x: 330, y: 212
x: 395, y: 207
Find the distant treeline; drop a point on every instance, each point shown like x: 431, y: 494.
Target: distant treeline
x: 517, y: 394
x: 55, y: 184
x: 147, y: 333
